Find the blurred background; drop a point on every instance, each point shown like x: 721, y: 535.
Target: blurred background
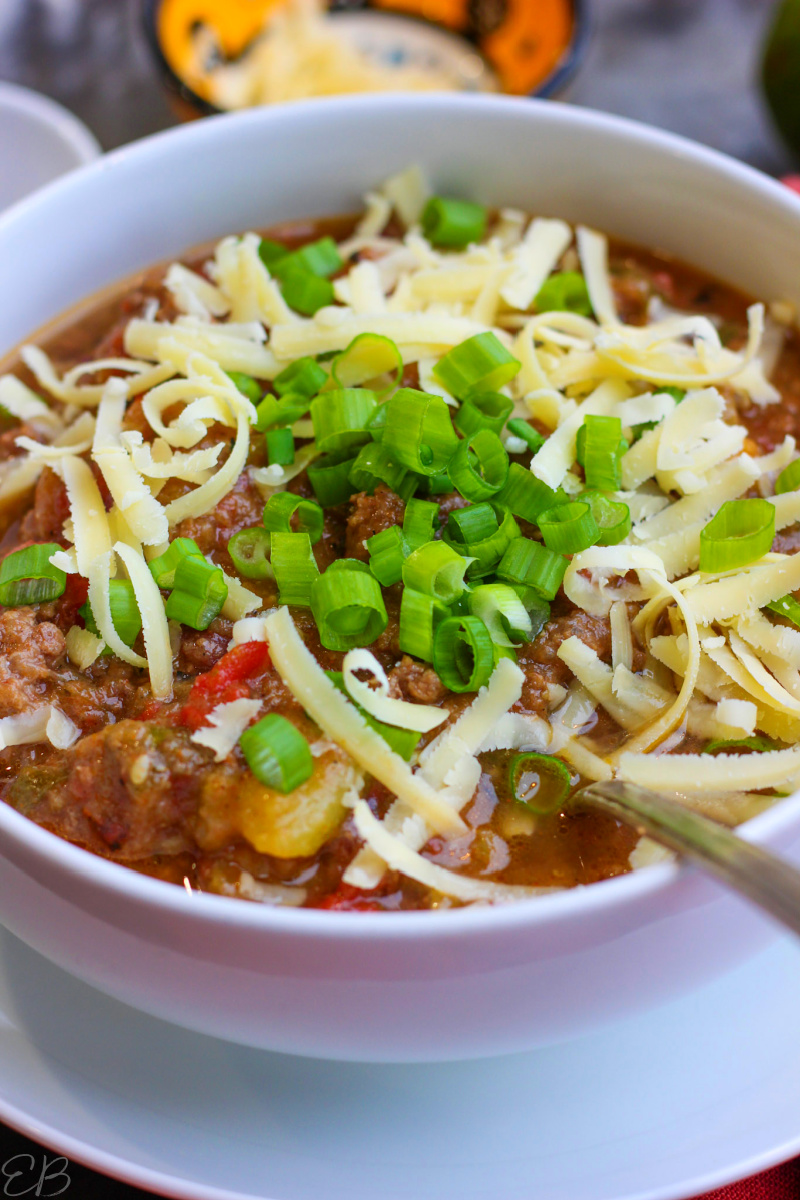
x: 691, y: 66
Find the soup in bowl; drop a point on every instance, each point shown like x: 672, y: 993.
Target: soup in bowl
x: 342, y: 549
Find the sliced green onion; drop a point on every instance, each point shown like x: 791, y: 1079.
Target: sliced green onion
x: 789, y: 478
x: 125, y: 615
x: 600, y: 447
x: 249, y: 551
x: 27, y: 577
x: 320, y: 258
x: 436, y: 569
x: 303, y: 377
x: 340, y: 417
x: 569, y: 528
x: 368, y: 356
x: 453, y: 223
x: 348, y: 607
x: 420, y: 615
x: 528, y: 562
x: 304, y: 292
x: 499, y: 652
x: 349, y: 564
x: 741, y: 532
x: 537, y: 609
x: 375, y: 464
x: 273, y: 412
x: 502, y: 612
x: 163, y: 568
x: 540, y: 782
x: 463, y: 655
x: 403, y: 741
x: 479, y: 467
x: 280, y: 446
x: 419, y: 431
x: 487, y: 550
x: 564, y: 292
x: 388, y: 551
x: 471, y: 524
x: 246, y: 385
x: 526, y: 495
x: 724, y: 745
x: 277, y: 753
x: 612, y: 516
x: 480, y: 364
x: 295, y: 567
x: 520, y: 428
x: 787, y: 607
x: 329, y: 476
x: 487, y: 410
x: 439, y: 484
x: 377, y: 423
x: 198, y: 593
x: 271, y: 252
x: 285, y: 512
x: 420, y: 520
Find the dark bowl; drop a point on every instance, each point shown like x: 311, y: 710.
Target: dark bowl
x: 189, y: 105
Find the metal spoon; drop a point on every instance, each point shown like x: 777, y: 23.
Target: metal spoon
x: 768, y: 881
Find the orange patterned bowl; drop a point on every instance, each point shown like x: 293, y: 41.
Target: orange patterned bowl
x: 511, y: 46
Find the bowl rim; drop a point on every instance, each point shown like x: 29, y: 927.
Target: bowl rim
x: 49, y: 113
x: 568, y: 905
x: 563, y: 71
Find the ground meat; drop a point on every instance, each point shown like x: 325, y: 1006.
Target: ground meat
x: 29, y: 652
x: 201, y: 649
x: 129, y: 790
x: 541, y: 664
x: 787, y: 541
x: 242, y: 508
x: 411, y: 680
x: 44, y: 522
x: 100, y: 695
x: 371, y: 515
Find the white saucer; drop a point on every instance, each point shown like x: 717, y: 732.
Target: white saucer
x: 668, y: 1105
x: 39, y: 140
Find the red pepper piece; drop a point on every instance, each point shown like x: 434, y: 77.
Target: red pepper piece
x: 226, y: 681
x: 350, y: 899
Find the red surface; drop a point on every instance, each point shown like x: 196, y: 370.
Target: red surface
x: 781, y: 1183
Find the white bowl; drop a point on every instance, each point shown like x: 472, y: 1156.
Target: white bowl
x: 39, y: 140
x: 405, y: 986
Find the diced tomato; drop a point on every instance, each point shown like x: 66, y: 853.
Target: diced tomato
x: 72, y: 598
x: 151, y: 710
x: 350, y: 899
x: 225, y: 682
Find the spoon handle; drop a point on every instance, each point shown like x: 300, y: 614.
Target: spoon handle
x: 768, y: 881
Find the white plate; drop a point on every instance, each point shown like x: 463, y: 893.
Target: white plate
x: 39, y: 140
x: 668, y: 1105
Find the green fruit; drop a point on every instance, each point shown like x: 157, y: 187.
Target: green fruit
x: 781, y: 71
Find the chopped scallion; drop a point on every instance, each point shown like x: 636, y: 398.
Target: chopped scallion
x: 249, y: 551
x: 453, y: 223
x: 478, y: 365
x: 741, y: 532
x: 295, y: 567
x: 28, y: 577
x: 285, y: 512
x: 463, y: 654
x: 348, y: 607
x: 277, y: 753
